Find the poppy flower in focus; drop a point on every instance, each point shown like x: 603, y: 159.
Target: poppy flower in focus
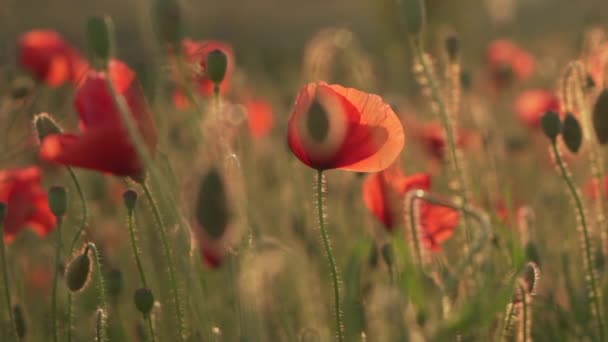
x: 104, y: 144
x: 507, y: 62
x: 27, y: 202
x: 196, y: 53
x: 49, y: 58
x: 438, y: 224
x: 260, y: 117
x: 383, y: 193
x: 332, y: 127
x: 531, y: 105
x: 434, y: 141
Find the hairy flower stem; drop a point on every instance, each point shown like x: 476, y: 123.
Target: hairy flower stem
x: 101, y: 288
x: 169, y: 259
x: 7, y: 289
x: 330, y: 255
x: 56, y: 280
x: 594, y: 295
x: 447, y: 126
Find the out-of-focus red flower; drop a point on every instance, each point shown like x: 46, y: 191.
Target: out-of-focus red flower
x: 260, y: 117
x: 507, y: 61
x: 383, y: 193
x: 27, y: 202
x: 332, y: 127
x: 38, y: 278
x: 49, y: 58
x: 438, y: 224
x: 104, y: 144
x: 432, y: 137
x: 592, y: 188
x: 531, y: 105
x: 196, y: 53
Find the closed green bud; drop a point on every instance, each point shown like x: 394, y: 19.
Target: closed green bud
x: 572, y: 133
x: 58, y: 200
x: 77, y: 272
x: 167, y: 15
x: 144, y: 300
x: 100, y: 36
x: 19, y: 321
x: 414, y: 15
x: 130, y: 199
x: 600, y: 117
x: 212, y: 208
x: 216, y: 65
x: 45, y: 125
x: 551, y: 125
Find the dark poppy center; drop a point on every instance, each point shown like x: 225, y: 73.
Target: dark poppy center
x: 317, y: 122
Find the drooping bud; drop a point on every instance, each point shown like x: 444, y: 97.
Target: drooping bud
x: 413, y: 14
x: 600, y: 117
x: 572, y: 133
x: 216, y: 65
x: 212, y: 208
x: 144, y: 300
x: 78, y: 271
x: 100, y: 36
x: 452, y: 47
x: 58, y: 200
x: 45, y: 125
x: 130, y: 199
x: 551, y: 125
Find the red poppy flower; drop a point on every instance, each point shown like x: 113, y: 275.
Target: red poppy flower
x: 104, y: 144
x: 332, y: 127
x: 437, y: 225
x: 383, y: 193
x: 531, y: 105
x: 434, y: 141
x: 260, y: 117
x: 507, y: 61
x: 49, y: 58
x: 27, y: 202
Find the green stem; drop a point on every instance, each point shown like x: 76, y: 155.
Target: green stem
x: 140, y: 268
x: 7, y: 289
x: 447, y: 126
x: 168, y: 258
x: 594, y: 295
x: 330, y: 256
x: 414, y: 228
x: 524, y: 313
x: 55, y: 280
x: 507, y: 322
x: 150, y: 328
x: 101, y: 327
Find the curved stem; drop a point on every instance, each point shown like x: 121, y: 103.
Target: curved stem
x: 133, y: 238
x: 7, y: 289
x: 150, y: 328
x: 330, y: 255
x: 524, y: 313
x: 55, y: 280
x: 594, y: 295
x: 168, y: 258
x: 101, y: 331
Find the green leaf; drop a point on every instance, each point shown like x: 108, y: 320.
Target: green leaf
x: 572, y: 133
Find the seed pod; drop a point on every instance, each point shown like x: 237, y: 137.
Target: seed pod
x: 216, y: 65
x: 600, y: 117
x: 45, y: 125
x: 19, y: 321
x: 572, y: 133
x: 77, y: 272
x: 551, y: 125
x: 317, y: 122
x: 212, y: 209
x: 130, y: 199
x: 144, y: 300
x: 100, y: 35
x: 58, y: 200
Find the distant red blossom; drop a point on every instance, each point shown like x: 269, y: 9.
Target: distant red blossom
x: 260, y: 117
x: 104, y: 144
x: 49, y: 58
x: 27, y: 202
x: 332, y: 127
x: 438, y: 224
x: 531, y: 105
x: 592, y: 188
x: 433, y: 139
x: 506, y: 62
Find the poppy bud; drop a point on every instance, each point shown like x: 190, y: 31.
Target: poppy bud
x: 58, y: 200
x: 19, y: 321
x: 168, y: 21
x: 130, y: 199
x: 217, y: 62
x: 45, y: 125
x: 77, y: 272
x: 144, y: 300
x: 551, y: 125
x: 600, y: 117
x: 388, y: 254
x: 452, y: 46
x: 114, y: 283
x: 414, y: 15
x: 212, y: 211
x: 100, y: 32
x: 572, y: 133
